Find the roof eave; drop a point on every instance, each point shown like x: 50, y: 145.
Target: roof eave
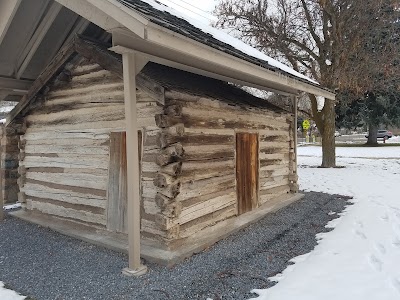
x: 133, y: 31
x: 172, y: 49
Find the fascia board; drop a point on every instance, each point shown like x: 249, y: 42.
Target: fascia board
x: 125, y: 16
x: 7, y: 13
x: 172, y: 47
x: 181, y: 44
x: 91, y: 13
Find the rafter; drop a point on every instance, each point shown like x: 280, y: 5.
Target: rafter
x: 8, y: 8
x: 15, y: 86
x: 37, y: 38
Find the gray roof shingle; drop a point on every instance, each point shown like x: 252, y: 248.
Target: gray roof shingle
x: 183, y: 27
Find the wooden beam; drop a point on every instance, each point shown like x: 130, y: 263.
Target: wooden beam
x: 1, y: 195
x: 15, y: 85
x: 295, y: 101
x: 191, y: 56
x: 58, y: 63
x: 135, y: 267
x: 37, y: 38
x: 8, y: 9
x: 126, y: 16
x: 91, y: 13
x: 79, y: 28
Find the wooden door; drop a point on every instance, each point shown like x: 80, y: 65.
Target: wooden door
x: 117, y: 182
x: 247, y: 166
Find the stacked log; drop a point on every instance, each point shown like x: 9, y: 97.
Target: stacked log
x: 65, y: 152
x: 198, y: 139
x: 10, y: 145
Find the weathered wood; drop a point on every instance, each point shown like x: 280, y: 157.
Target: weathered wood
x: 77, y: 189
x: 21, y: 197
x: 206, y: 186
x: 192, y: 227
x: 173, y: 169
x: 283, y: 189
x: 64, y: 195
x: 172, y: 210
x: 206, y: 207
x: 170, y: 154
x: 208, y: 153
x: 21, y: 181
x: 40, y: 136
x: 81, y: 142
x: 21, y: 170
x: 84, y: 67
x: 21, y: 155
x: 67, y: 149
x: 151, y: 88
x: 63, y: 56
x: 247, y: 171
x: 275, y: 172
x: 57, y: 210
x: 67, y: 161
x: 273, y: 183
x: 173, y: 110
x: 172, y: 190
x: 79, y: 180
x: 116, y: 197
x: 101, y: 57
x: 111, y: 85
x: 162, y: 201
x: 163, y: 180
x: 79, y: 115
x: 197, y: 170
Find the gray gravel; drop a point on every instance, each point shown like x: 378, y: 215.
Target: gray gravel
x: 42, y: 264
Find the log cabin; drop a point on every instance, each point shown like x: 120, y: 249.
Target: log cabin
x: 208, y: 150
x: 147, y: 148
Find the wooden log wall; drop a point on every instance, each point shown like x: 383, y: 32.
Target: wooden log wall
x: 65, y: 152
x: 9, y: 150
x: 196, y: 183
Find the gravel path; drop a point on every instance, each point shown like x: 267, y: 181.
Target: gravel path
x: 46, y: 265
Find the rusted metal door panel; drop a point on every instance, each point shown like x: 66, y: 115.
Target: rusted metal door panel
x: 247, y: 166
x: 117, y: 182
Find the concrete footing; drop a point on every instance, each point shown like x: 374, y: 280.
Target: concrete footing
x: 135, y: 272
x: 149, y: 251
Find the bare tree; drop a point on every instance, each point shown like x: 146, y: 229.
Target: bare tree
x: 317, y: 37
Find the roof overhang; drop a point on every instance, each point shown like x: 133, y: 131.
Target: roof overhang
x: 133, y: 32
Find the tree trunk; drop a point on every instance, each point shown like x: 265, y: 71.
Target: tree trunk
x: 372, y: 134
x: 325, y: 121
x: 328, y: 135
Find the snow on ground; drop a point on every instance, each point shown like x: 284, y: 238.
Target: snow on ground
x: 12, y: 206
x: 359, y: 259
x: 6, y: 294
x: 394, y: 140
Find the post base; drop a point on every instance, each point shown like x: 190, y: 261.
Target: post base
x: 135, y: 272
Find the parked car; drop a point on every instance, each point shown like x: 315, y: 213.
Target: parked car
x: 337, y: 133
x: 383, y: 134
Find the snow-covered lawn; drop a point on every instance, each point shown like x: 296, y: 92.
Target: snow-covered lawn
x: 360, y: 258
x: 6, y: 294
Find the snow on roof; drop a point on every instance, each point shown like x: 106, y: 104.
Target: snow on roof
x: 222, y: 37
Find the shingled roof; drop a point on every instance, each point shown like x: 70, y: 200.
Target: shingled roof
x: 168, y: 18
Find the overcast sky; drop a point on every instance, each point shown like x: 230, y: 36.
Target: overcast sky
x: 199, y: 9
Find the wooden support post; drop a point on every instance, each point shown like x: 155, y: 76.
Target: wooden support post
x: 1, y: 196
x: 295, y: 110
x: 135, y: 267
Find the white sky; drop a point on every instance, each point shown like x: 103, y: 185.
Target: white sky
x: 198, y: 9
